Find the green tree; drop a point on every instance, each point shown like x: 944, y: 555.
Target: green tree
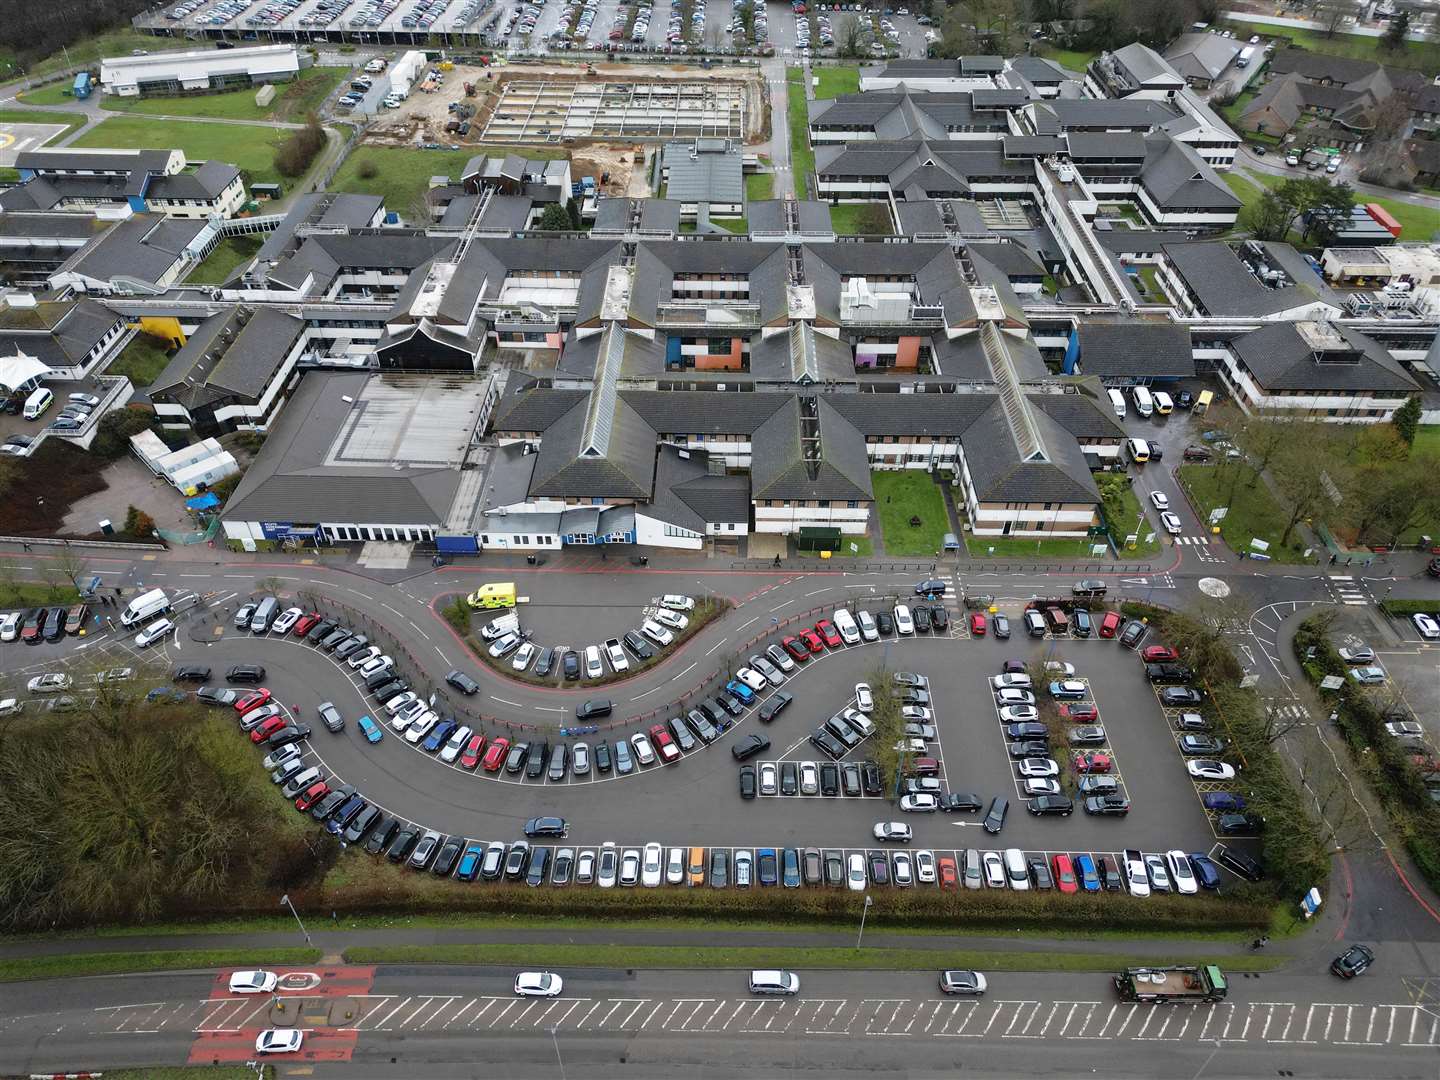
x: 1406, y: 419
x: 1269, y: 218
x: 554, y: 218
x: 1395, y: 31
x: 112, y: 435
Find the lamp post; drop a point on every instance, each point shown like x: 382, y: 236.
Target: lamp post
x: 555, y: 1039
x: 285, y: 901
x: 863, y: 912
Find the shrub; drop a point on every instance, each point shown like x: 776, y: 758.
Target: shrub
x: 112, y: 435
x: 138, y: 523
x: 368, y: 170
x: 294, y: 156
x: 1403, y: 609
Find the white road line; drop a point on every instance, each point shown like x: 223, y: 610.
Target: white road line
x: 489, y: 1004
x: 501, y: 1014
x: 581, y: 1022
x: 463, y: 1010
x: 507, y: 701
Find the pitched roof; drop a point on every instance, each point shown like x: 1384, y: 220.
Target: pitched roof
x: 1201, y: 56
x: 1280, y: 357
x: 143, y: 247
x: 837, y: 466
x: 1223, y: 284
x: 1143, y: 63
x: 1134, y: 348
x: 231, y: 355
x: 1175, y: 176
x: 999, y: 475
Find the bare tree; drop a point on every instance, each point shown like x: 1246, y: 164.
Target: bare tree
x: 1332, y: 14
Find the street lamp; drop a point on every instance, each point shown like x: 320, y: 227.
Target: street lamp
x: 285, y: 901
x: 556, y: 1040
x: 863, y: 912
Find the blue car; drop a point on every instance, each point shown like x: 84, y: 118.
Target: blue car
x: 1223, y: 802
x: 469, y: 868
x: 166, y: 693
x: 1085, y: 870
x: 1206, y: 872
x: 767, y: 864
x: 370, y: 729
x: 792, y: 868
x: 741, y: 691
x: 437, y: 737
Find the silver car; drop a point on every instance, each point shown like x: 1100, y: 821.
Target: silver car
x: 971, y: 872
x: 580, y: 759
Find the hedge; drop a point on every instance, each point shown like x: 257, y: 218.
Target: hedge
x: 1403, y: 609
x: 1393, y: 777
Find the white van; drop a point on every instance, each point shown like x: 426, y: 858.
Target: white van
x: 145, y: 606
x: 1139, y: 450
x: 1117, y: 402
x: 845, y: 623
x: 38, y: 401
x: 1016, y: 871
x: 1144, y: 404
x: 264, y: 615
x: 1164, y: 404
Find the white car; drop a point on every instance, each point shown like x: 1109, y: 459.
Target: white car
x: 593, y: 668
x: 753, y: 679
x: 868, y: 630
x: 363, y: 656
x: 609, y: 864
x: 1171, y: 523
x: 253, y: 982
x: 538, y: 984
x: 1019, y: 714
x: 656, y: 633
x: 629, y: 867
x: 1061, y: 667
x: 677, y: 603
x: 1160, y: 499
x: 10, y: 706
x: 904, y: 624
x: 524, y: 655
x: 864, y: 700
x: 1427, y: 627
x: 925, y: 867
x: 1014, y: 697
x: 919, y: 804
x: 374, y: 664
x: 503, y: 645
x: 769, y: 778
x: 1010, y: 681
x: 286, y: 620
x: 918, y: 714
x: 115, y: 674
x: 401, y: 701
x: 420, y: 726
x: 675, y: 867
x: 809, y: 778
x: 156, y: 631
x: 1370, y: 675
x: 897, y: 831
x: 901, y: 874
x: 1036, y: 785
x: 855, y: 873
x: 1405, y: 729
x: 780, y: 658
x: 50, y: 683
x: 451, y: 750
x: 1205, y: 769
x: 1037, y: 767
x: 643, y: 750
x: 10, y: 626
x: 652, y: 866
x: 279, y: 1041
x: 671, y: 618
x: 1182, y: 877
x: 994, y: 867
x: 911, y: 746
x: 1135, y: 875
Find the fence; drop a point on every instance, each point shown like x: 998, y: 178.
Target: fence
x: 322, y: 181
x: 60, y: 541
x: 444, y: 701
x: 206, y: 534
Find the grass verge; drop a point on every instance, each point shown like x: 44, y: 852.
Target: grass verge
x: 292, y: 101
x: 249, y: 148
x: 1417, y: 223
x: 901, y: 496
x: 77, y: 964
x: 230, y: 255
x: 744, y: 957
x: 759, y: 186
x: 1427, y: 441
x: 797, y: 116
x: 56, y: 93
x: 25, y: 116
x: 1424, y: 55
x: 141, y: 361
x: 1018, y: 547
x: 1253, y: 512
x: 831, y: 82
x: 22, y: 594
x: 1123, y: 514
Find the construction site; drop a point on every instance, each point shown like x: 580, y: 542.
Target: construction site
x: 553, y: 110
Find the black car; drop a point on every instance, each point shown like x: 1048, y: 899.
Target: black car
x: 746, y: 748
x: 1355, y: 960
x: 389, y: 689
x: 995, y: 816
x: 879, y: 868
x: 921, y: 618
x: 827, y: 743
x: 570, y: 666
x: 1133, y: 631
x: 544, y: 663
x: 681, y: 731
x: 536, y: 759
x: 789, y: 778
x: 1051, y: 804
x: 939, y: 619
x: 871, y: 779
x: 1080, y: 624
x: 1240, y: 824
x: 323, y: 628
x: 350, y: 646
x: 1107, y: 805
x: 381, y: 835
x: 594, y: 709
x: 333, y: 639
x: 834, y: 869
x: 730, y: 703
x: 960, y: 802
x: 245, y: 673
x: 515, y: 759
x: 546, y: 826
x: 1031, y: 748
x: 462, y: 682
x: 331, y: 802
x: 191, y: 673
x: 1185, y: 399
x: 638, y: 645
x: 516, y: 858
x: 288, y: 734
x: 829, y: 778
x: 1177, y: 697
x: 1039, y: 872
x: 1201, y: 745
x: 747, y: 781
x: 1168, y: 673
x: 1000, y: 627
x: 217, y: 695
x: 54, y: 624
x: 850, y: 779
x: 884, y: 624
x: 377, y: 679
x: 1235, y: 860
x: 1029, y: 729
x: 931, y: 587
x: 535, y: 869
x: 774, y: 705
x: 603, y: 762
x: 404, y: 841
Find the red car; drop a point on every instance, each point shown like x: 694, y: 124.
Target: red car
x: 1110, y: 624
x: 664, y: 744
x: 925, y: 766
x: 1159, y: 654
x: 977, y: 624
x: 826, y: 629
x: 1065, y: 879
x: 495, y: 756
x: 1080, y: 712
x: 470, y: 756
x: 812, y: 641
x: 253, y: 700
x: 1092, y: 762
x: 796, y: 648
x: 311, y: 795
x: 304, y: 623
x: 268, y: 728
x: 949, y: 876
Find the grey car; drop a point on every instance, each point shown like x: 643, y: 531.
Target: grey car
x: 971, y: 872
x: 624, y: 763
x: 580, y: 759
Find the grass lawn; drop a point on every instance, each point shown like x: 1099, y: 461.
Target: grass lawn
x: 1427, y: 440
x: 743, y: 957
x: 142, y: 360
x: 797, y: 115
x: 854, y: 219
x: 23, y: 594
x: 1247, y: 192
x: 904, y: 494
x: 293, y: 100
x: 229, y: 255
x: 1154, y: 291
x: 1232, y: 112
x: 56, y: 93
x: 249, y: 148
x: 735, y: 225
x: 1071, y: 59
x: 111, y: 43
x: 52, y: 967
x: 759, y: 186
x: 833, y: 81
x: 1424, y: 55
x: 1126, y: 517
x: 1417, y: 223
x: 1254, y: 513
x: 980, y: 547
x: 25, y: 116
x: 402, y: 175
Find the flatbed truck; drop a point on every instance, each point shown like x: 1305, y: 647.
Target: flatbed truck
x: 1161, y: 985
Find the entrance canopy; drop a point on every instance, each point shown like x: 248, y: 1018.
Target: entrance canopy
x: 20, y: 372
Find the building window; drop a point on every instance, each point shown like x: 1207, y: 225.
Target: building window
x: 823, y: 504
x: 853, y: 504
x: 522, y: 540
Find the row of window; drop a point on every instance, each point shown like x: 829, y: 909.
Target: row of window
x: 372, y: 532
x: 822, y: 504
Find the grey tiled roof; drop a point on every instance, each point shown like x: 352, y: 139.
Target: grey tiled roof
x: 778, y: 467
x: 227, y: 360
x: 703, y: 175
x: 1280, y: 359
x: 1202, y: 56
x: 999, y: 475
x: 1134, y: 349
x: 204, y: 183
x: 625, y: 470
x: 144, y: 247
x: 1176, y: 177
x: 1223, y: 286
x: 703, y: 412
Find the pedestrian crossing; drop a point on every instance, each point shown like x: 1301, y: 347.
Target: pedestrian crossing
x: 1346, y: 590
x: 1193, y: 540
